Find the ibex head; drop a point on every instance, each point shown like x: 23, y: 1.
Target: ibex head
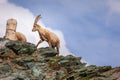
x: 36, y: 26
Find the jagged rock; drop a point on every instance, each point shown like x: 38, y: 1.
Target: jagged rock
x: 1, y: 60
x: 43, y: 64
x: 4, y: 51
x: 113, y: 74
x: 19, y: 75
x: 24, y: 62
x: 3, y: 42
x: 35, y: 71
x: 91, y: 71
x: 5, y: 68
x: 47, y: 52
x: 60, y: 75
x: 7, y: 54
x: 71, y: 63
x: 20, y: 47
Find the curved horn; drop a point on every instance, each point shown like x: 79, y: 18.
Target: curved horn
x: 37, y: 19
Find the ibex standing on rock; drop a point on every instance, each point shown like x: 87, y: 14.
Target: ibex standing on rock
x: 46, y: 35
x: 11, y: 31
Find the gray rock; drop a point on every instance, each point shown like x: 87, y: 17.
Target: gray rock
x: 5, y: 68
x: 60, y: 75
x: 47, y: 52
x: 20, y: 47
x: 43, y: 64
x: 19, y: 75
x: 71, y: 63
x: 3, y: 42
x: 37, y: 72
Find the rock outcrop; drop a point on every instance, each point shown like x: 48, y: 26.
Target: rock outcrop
x: 22, y: 61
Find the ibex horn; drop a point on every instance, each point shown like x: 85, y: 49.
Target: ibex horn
x: 37, y: 18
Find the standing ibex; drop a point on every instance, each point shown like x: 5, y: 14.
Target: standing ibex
x: 11, y: 31
x: 46, y: 35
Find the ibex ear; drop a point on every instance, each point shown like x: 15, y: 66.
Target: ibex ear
x: 37, y: 19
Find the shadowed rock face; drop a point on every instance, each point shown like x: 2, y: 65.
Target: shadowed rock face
x: 47, y: 52
x: 20, y: 47
x: 22, y: 61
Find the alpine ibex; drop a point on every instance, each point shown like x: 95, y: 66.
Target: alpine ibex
x: 11, y: 31
x: 45, y: 35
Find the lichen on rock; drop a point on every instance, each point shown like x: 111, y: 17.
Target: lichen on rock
x: 23, y: 61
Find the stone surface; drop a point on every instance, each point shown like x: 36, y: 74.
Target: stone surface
x: 20, y: 47
x: 47, y: 52
x: 22, y: 61
x: 113, y: 74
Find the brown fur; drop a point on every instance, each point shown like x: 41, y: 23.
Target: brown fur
x: 46, y: 35
x: 20, y: 36
x: 11, y: 31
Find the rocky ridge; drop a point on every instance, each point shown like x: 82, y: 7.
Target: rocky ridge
x: 23, y: 61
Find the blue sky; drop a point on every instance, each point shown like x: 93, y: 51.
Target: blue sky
x: 91, y: 28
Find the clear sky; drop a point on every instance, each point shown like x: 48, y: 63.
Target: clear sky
x: 91, y: 28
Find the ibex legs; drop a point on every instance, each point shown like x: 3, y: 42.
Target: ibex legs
x: 58, y: 50
x: 39, y: 43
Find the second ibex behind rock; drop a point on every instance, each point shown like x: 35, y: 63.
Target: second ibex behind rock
x: 11, y: 33
x: 46, y: 35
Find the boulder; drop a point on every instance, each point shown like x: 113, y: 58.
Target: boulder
x: 20, y: 47
x: 47, y: 52
x: 71, y: 63
x: 113, y: 74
